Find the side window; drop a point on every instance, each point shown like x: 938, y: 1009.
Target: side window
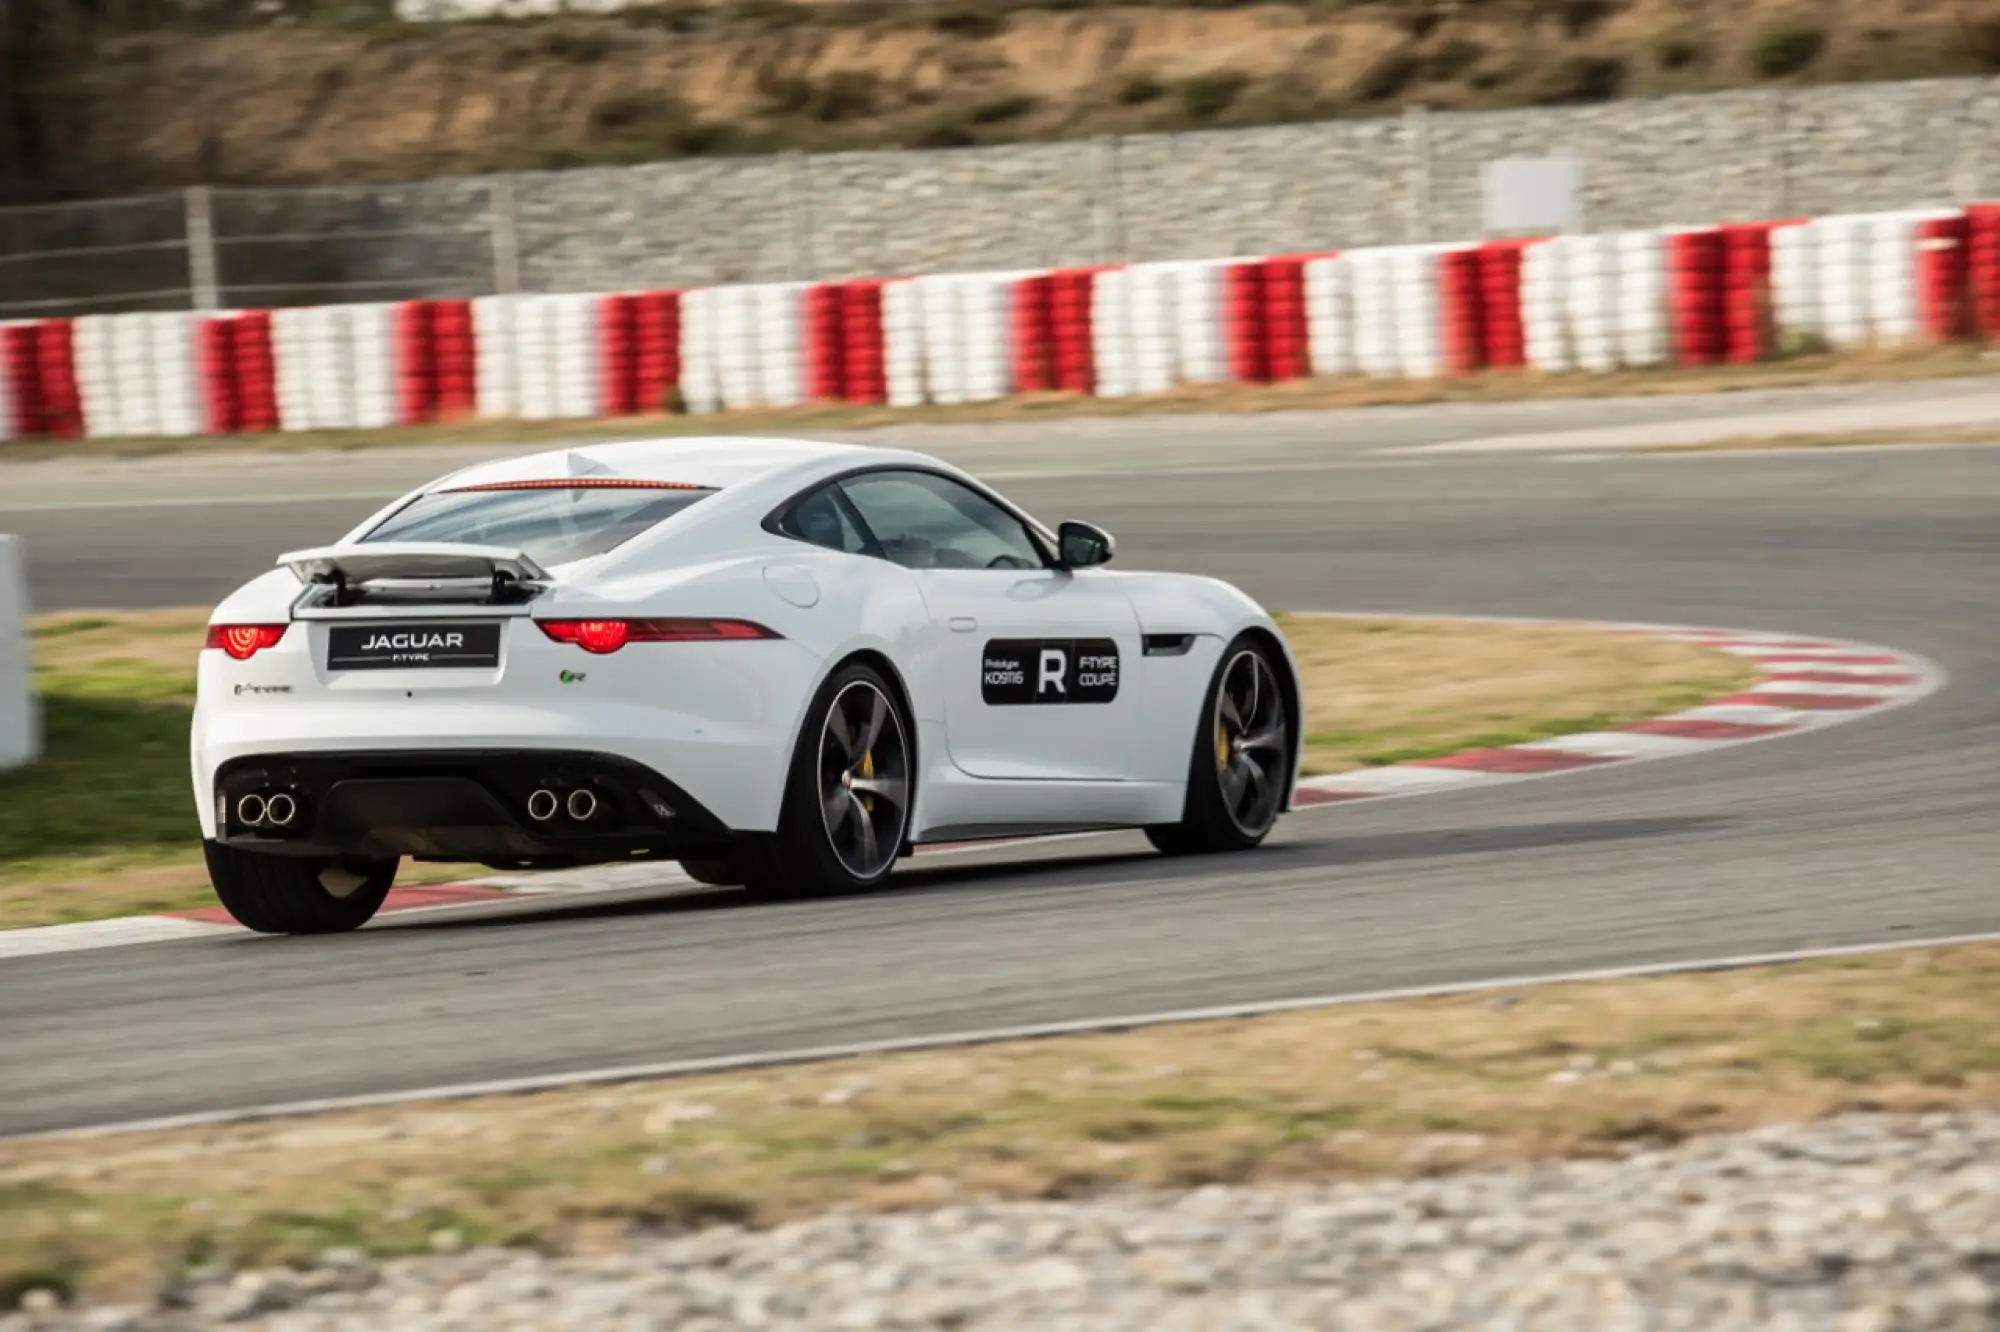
x: 821, y: 519
x: 923, y: 521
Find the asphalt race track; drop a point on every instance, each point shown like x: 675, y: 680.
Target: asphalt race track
x: 1882, y: 829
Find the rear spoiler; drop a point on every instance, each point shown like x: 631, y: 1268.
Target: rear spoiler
x: 348, y: 570
x: 412, y: 561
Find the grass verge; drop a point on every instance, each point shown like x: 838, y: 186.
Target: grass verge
x: 104, y: 825
x: 1802, y: 371
x: 1380, y: 1089
x: 1384, y: 691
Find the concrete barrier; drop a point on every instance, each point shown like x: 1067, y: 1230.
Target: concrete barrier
x: 20, y: 715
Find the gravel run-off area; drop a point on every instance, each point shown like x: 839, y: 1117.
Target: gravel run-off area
x: 1860, y: 1223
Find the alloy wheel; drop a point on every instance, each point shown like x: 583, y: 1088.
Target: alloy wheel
x: 1252, y: 743
x: 864, y: 780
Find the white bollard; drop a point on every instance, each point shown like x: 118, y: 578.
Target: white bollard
x: 20, y: 713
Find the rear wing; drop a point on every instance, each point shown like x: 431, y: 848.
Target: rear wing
x: 420, y: 570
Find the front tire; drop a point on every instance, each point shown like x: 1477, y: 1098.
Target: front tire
x: 1241, y: 765
x: 846, y: 812
x: 296, y: 894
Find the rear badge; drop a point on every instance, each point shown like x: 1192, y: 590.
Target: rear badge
x: 396, y: 647
x: 573, y: 677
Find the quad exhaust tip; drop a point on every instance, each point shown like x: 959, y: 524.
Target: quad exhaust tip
x: 542, y: 805
x: 280, y: 810
x: 582, y: 804
x: 252, y: 810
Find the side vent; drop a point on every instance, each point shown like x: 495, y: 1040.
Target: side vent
x: 1168, y: 645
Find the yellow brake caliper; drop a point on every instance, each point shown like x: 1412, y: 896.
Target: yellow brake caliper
x: 1221, y: 745
x: 868, y: 770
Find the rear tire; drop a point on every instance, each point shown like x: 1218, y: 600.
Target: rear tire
x: 297, y: 895
x: 846, y: 812
x: 1242, y: 759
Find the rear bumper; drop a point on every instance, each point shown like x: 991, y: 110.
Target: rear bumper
x: 715, y: 721
x: 470, y: 805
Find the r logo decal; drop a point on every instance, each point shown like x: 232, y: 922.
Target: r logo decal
x: 1055, y: 665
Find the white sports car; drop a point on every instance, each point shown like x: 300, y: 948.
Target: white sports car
x: 783, y: 664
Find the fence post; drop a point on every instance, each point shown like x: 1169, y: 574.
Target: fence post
x: 1779, y: 204
x: 1417, y: 129
x: 204, y: 285
x: 1964, y: 184
x: 506, y: 236
x: 797, y: 169
x: 1107, y: 204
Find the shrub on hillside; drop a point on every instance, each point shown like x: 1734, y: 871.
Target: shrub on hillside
x: 1786, y: 48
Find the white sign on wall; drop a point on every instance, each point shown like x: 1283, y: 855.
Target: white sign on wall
x: 1532, y: 195
x: 20, y: 715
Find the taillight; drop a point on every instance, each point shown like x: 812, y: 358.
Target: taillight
x: 591, y: 635
x: 244, y: 641
x: 603, y: 636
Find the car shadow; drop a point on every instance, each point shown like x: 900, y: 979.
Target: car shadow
x: 1111, y: 867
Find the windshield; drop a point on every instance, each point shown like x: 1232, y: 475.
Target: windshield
x: 552, y: 523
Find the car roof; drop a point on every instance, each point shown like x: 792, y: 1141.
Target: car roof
x: 716, y: 462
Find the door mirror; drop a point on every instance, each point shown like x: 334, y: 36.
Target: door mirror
x: 1079, y: 545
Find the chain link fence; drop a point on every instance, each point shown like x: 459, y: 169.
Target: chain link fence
x: 219, y: 249
x: 89, y: 258
x: 1280, y: 189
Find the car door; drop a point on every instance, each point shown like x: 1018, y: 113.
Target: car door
x: 1036, y: 664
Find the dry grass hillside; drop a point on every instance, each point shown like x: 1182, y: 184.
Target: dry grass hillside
x: 338, y: 96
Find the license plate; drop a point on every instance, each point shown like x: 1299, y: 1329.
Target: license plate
x: 377, y: 647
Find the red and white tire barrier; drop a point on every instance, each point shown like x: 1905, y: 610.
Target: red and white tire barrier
x: 1982, y: 269
x: 1805, y: 683
x: 903, y: 343
x: 1330, y: 315
x: 1591, y: 303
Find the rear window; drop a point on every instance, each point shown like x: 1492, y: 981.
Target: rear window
x: 554, y: 524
